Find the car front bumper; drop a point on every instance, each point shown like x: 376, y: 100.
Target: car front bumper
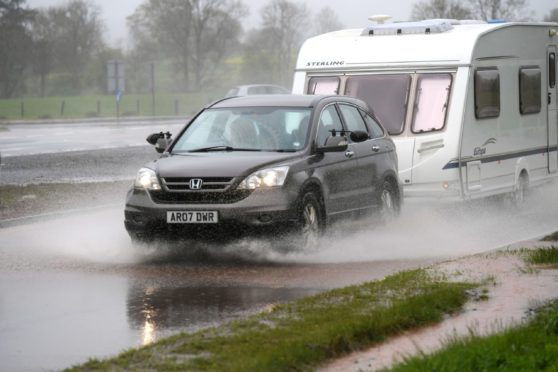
x: 263, y: 208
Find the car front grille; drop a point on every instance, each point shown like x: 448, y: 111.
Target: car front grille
x: 207, y: 183
x: 213, y: 190
x: 192, y: 197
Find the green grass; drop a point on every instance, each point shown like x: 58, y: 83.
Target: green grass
x: 542, y: 256
x: 102, y: 106
x: 551, y: 238
x: 533, y: 347
x: 303, y: 334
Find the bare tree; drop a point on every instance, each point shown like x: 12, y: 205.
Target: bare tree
x: 285, y: 27
x: 80, y: 37
x: 326, y: 20
x: 439, y: 9
x: 216, y: 29
x: 15, y: 46
x: 552, y: 16
x: 196, y: 33
x: 44, y: 33
x: 509, y: 10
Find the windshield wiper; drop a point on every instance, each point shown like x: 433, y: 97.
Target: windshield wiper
x: 213, y: 148
x: 222, y: 148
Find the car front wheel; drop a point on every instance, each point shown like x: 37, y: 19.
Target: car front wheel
x: 311, y: 223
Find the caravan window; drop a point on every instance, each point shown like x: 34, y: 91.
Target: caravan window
x: 323, y: 85
x: 386, y: 95
x: 529, y: 90
x: 431, y: 102
x: 487, y: 93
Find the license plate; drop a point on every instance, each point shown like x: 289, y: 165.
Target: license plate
x: 192, y: 217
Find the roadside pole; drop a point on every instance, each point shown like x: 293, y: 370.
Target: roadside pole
x: 118, y: 97
x: 116, y: 83
x: 152, y: 84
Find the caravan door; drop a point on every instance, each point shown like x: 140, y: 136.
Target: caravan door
x: 552, y: 112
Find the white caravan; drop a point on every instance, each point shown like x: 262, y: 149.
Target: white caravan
x: 470, y: 105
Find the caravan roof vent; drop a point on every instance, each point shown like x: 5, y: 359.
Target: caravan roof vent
x: 434, y: 26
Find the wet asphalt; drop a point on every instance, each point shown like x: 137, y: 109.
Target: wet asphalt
x: 74, y: 287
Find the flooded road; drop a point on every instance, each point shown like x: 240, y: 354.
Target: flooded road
x: 74, y: 287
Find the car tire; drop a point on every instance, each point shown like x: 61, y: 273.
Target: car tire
x: 388, y: 203
x: 311, y: 221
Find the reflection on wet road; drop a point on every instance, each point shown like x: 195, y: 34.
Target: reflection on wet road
x: 73, y: 287
x: 157, y: 311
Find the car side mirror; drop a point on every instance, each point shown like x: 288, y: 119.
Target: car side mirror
x: 359, y: 136
x: 334, y: 144
x: 160, y: 140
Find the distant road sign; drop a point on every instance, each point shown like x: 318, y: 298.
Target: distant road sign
x: 116, y: 76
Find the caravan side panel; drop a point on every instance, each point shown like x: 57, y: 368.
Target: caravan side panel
x: 501, y: 140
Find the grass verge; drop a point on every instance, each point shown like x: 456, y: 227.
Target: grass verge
x: 532, y: 347
x: 34, y: 199
x: 542, y: 256
x: 305, y: 333
x: 102, y: 106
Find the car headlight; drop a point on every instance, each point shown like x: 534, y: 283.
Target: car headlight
x: 147, y: 179
x: 270, y: 177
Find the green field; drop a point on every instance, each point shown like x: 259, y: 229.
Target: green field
x: 102, y: 106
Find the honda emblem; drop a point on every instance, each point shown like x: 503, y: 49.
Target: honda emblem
x: 196, y: 184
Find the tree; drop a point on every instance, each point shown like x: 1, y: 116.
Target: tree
x: 15, y: 46
x: 44, y: 33
x: 326, y: 20
x: 439, y: 9
x: 552, y: 16
x: 196, y: 33
x: 80, y: 37
x: 509, y: 10
x: 284, y: 29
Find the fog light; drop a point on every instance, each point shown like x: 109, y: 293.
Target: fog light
x: 138, y: 219
x: 445, y: 185
x: 265, y: 218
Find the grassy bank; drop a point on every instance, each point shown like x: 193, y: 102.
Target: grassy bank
x: 29, y: 200
x: 531, y: 347
x: 102, y: 106
x: 303, y: 334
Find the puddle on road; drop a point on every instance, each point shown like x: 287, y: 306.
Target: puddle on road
x: 157, y: 311
x: 52, y: 320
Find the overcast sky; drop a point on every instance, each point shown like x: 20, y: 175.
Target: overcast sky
x: 352, y: 13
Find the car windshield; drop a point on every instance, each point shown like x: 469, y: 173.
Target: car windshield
x: 246, y: 129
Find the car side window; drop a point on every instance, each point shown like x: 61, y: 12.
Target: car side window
x: 374, y: 128
x: 329, y: 120
x: 353, y: 119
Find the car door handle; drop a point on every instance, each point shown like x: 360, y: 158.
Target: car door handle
x: 375, y: 148
x: 349, y: 154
